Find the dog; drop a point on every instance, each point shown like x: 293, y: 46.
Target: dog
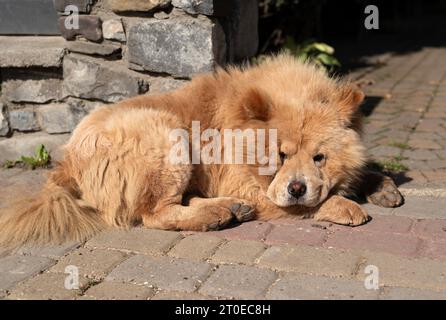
x: 116, y: 170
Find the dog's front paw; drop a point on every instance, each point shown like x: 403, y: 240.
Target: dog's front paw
x: 342, y: 211
x: 386, y: 194
x: 243, y: 212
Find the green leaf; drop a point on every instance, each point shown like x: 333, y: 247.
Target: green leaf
x: 323, y: 47
x: 327, y: 60
x: 303, y: 56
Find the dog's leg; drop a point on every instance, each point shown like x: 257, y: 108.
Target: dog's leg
x: 340, y: 210
x: 380, y: 190
x: 336, y: 209
x: 201, y: 214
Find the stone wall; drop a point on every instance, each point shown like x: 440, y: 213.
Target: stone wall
x: 122, y: 48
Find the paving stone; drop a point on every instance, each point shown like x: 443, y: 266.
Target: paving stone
x: 239, y: 252
x: 137, y: 5
x: 422, y: 207
x: 420, y: 154
x: 431, y: 228
x: 137, y: 239
x: 16, y: 268
x: 118, y: 291
x: 385, y: 223
x: 294, y: 286
x: 91, y: 263
x: 373, y: 210
x: 434, y: 249
x: 175, y: 295
x: 25, y: 145
x: 47, y: 286
x: 90, y: 78
x: 59, y: 117
x: 24, y: 51
x: 384, y: 151
x: 435, y: 176
x: 424, y: 144
x: 239, y: 282
x: 253, y: 230
x: 162, y: 272
x: 414, y: 164
x: 103, y: 49
x: 436, y: 164
x: 302, y: 223
x: 197, y: 247
x: 89, y: 27
x: 399, y: 244
x: 427, y: 127
x: 17, y: 184
x: 180, y: 46
x: 397, y: 271
x: 310, y: 260
x: 23, y: 119
x: 292, y: 234
x: 112, y: 29
x: 48, y: 251
x: 411, y: 294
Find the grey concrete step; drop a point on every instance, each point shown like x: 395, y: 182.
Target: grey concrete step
x: 28, y: 51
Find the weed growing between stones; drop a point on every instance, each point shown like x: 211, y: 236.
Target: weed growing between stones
x: 40, y: 159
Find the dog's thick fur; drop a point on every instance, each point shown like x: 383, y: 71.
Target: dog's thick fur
x: 115, y: 172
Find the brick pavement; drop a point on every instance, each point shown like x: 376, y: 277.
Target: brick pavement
x: 405, y: 131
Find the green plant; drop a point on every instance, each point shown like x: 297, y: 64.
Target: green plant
x: 401, y: 145
x: 318, y: 53
x: 392, y: 165
x: 41, y: 158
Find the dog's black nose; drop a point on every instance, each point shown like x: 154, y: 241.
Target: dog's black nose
x: 297, y: 189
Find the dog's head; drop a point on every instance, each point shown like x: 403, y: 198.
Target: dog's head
x: 317, y: 122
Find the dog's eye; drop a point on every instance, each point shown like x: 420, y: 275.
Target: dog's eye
x: 318, y: 159
x: 283, y: 156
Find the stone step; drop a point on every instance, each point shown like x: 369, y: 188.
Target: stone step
x: 28, y: 51
x: 25, y: 144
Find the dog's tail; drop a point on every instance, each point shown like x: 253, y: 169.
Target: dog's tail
x: 56, y: 215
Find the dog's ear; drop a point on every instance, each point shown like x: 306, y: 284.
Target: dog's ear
x: 350, y: 98
x: 255, y: 104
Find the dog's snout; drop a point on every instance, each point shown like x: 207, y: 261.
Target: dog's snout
x: 297, y: 189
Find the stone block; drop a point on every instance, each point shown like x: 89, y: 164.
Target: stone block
x: 28, y: 51
x: 89, y: 27
x: 137, y: 5
x: 32, y: 90
x: 90, y: 78
x: 59, y: 118
x: 180, y: 46
x: 102, y: 49
x: 4, y: 125
x: 207, y: 7
x: 23, y: 119
x: 113, y: 30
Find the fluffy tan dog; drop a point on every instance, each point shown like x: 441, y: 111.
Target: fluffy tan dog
x: 116, y: 170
